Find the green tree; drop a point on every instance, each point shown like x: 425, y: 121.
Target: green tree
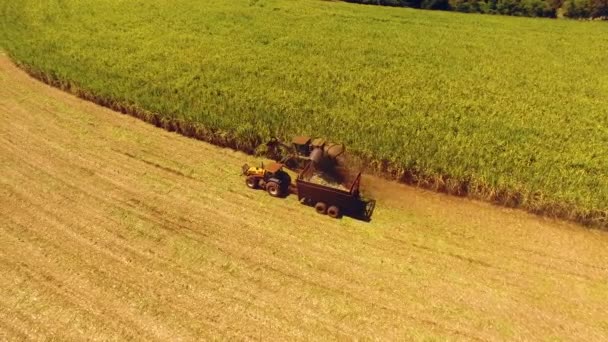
x: 537, y: 8
x: 599, y: 8
x: 436, y: 4
x: 577, y: 8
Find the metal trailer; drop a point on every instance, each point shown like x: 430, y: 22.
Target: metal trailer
x: 333, y: 201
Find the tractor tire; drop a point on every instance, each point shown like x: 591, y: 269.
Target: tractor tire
x: 333, y: 211
x: 252, y: 182
x: 321, y: 208
x: 273, y: 189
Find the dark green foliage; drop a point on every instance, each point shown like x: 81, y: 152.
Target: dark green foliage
x: 586, y: 8
x: 577, y: 8
x: 435, y: 4
x: 599, y: 8
x: 527, y: 8
x: 397, y: 3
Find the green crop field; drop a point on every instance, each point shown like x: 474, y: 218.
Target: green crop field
x: 510, y: 110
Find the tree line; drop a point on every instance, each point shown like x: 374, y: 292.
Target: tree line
x: 530, y: 8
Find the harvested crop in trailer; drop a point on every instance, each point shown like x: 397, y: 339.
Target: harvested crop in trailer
x: 326, y: 181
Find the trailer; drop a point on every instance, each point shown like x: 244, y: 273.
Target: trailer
x: 334, y: 198
x: 333, y: 201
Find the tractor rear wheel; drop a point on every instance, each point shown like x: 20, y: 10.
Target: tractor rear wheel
x: 333, y: 211
x: 273, y: 189
x: 252, y: 182
x: 321, y: 208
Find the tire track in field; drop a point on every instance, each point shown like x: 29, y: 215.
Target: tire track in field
x: 86, y: 191
x: 113, y: 256
x: 278, y: 271
x: 164, y: 226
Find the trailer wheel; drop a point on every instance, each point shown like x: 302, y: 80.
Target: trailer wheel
x: 333, y: 211
x: 251, y: 182
x: 273, y: 189
x: 321, y: 208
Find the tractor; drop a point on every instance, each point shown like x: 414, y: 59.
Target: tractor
x: 272, y: 178
x: 323, y: 179
x: 326, y: 199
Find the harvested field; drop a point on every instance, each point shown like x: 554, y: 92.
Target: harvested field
x: 113, y: 229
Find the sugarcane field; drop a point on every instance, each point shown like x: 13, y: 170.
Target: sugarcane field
x: 303, y: 170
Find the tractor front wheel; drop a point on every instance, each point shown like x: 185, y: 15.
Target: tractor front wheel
x: 273, y: 189
x: 252, y: 182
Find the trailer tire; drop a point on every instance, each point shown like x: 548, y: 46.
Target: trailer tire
x: 333, y: 211
x: 273, y: 189
x: 321, y: 208
x: 252, y: 182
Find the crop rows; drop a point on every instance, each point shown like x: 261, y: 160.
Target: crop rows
x: 509, y: 110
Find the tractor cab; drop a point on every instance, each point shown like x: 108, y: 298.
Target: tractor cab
x: 301, y: 145
x: 272, y: 178
x: 274, y: 170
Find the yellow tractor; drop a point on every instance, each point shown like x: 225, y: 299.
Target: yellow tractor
x: 272, y: 178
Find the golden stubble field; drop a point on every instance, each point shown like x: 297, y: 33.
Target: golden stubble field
x: 113, y: 229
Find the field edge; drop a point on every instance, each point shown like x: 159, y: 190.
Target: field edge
x: 444, y: 183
